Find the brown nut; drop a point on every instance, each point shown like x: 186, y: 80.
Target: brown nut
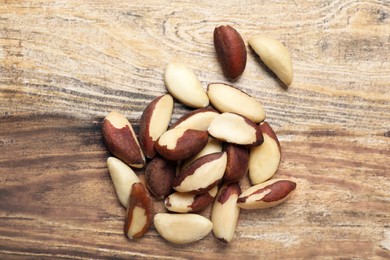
x: 187, y: 202
x: 180, y: 143
x: 139, y: 215
x: 231, y: 51
x: 235, y: 129
x: 121, y: 141
x: 154, y: 122
x: 225, y: 212
x: 267, y: 194
x: 198, y: 119
x: 159, y: 175
x: 264, y: 160
x: 237, y: 162
x: 226, y: 98
x: 202, y: 175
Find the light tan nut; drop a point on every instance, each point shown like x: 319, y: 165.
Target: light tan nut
x: 202, y: 175
x: 139, y: 215
x: 236, y: 129
x: 121, y: 141
x: 267, y: 194
x: 183, y: 84
x: 187, y: 202
x: 123, y: 178
x: 264, y: 160
x: 213, y: 146
x: 237, y: 162
x: 198, y: 119
x: 226, y: 98
x: 180, y: 143
x: 231, y: 51
x: 225, y: 212
x: 159, y: 175
x: 154, y: 122
x: 182, y: 228
x: 274, y: 55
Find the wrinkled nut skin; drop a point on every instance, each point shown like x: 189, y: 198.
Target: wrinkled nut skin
x: 231, y: 51
x: 267, y: 194
x: 187, y: 202
x: 189, y: 144
x: 122, y: 142
x: 137, y: 225
x: 237, y: 162
x: 196, y: 119
x: 159, y: 175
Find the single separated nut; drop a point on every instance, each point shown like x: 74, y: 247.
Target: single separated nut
x: 274, y: 55
x: 182, y: 228
x: 198, y: 119
x: 231, y: 51
x: 139, y: 215
x: 154, y: 122
x: 183, y: 84
x: 264, y: 159
x: 226, y: 98
x: 267, y: 194
x: 123, y: 178
x: 225, y: 212
x: 121, y: 141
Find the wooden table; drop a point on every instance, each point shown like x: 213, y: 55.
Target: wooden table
x: 64, y: 65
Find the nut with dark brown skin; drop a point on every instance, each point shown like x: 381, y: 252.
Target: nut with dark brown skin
x: 237, y: 162
x: 231, y: 51
x: 159, y: 175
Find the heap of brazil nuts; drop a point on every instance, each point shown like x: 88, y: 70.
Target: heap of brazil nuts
x: 200, y: 159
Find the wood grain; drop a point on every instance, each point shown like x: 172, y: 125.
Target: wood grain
x: 65, y: 64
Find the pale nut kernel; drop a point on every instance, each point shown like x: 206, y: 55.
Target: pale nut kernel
x: 198, y: 119
x: 274, y: 55
x: 182, y: 228
x: 213, y: 146
x: 267, y: 194
x: 183, y: 84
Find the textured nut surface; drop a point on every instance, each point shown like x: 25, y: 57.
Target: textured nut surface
x: 154, y: 122
x: 187, y: 202
x: 225, y: 212
x: 267, y: 194
x: 213, y: 146
x: 182, y: 228
x: 183, y: 84
x: 236, y: 129
x: 274, y: 55
x: 139, y: 215
x: 264, y: 160
x: 226, y: 98
x: 237, y: 163
x: 159, y: 175
x: 231, y: 51
x: 198, y: 119
x: 123, y: 178
x: 180, y: 143
x: 121, y: 141
x: 202, y: 175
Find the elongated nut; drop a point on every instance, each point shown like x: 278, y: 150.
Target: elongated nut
x: 159, y: 175
x: 187, y: 202
x: 182, y: 228
x: 180, y: 143
x: 154, y: 122
x: 123, y: 178
x: 231, y: 51
x: 213, y: 146
x: 202, y: 175
x: 226, y: 98
x: 267, y: 194
x: 236, y: 129
x: 274, y: 55
x: 121, y: 141
x: 183, y: 84
x: 264, y: 159
x: 139, y: 213
x: 225, y: 212
x: 237, y: 162
x: 198, y: 119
